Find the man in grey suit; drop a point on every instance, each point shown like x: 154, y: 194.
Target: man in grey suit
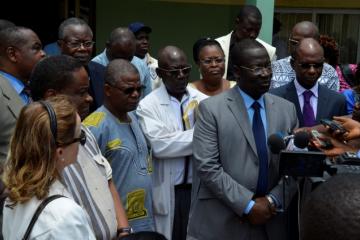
x: 237, y: 191
x: 20, y: 50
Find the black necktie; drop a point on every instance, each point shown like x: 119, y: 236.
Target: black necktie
x: 187, y: 158
x: 260, y: 141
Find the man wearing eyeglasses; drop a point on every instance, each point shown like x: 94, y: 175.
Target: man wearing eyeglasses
x: 237, y: 190
x: 76, y: 40
x: 119, y: 136
x: 167, y: 117
x: 283, y: 72
x: 313, y: 101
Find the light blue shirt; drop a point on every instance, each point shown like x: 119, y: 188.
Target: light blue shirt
x: 17, y: 85
x: 140, y: 65
x: 248, y: 104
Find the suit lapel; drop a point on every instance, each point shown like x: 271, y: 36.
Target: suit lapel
x: 291, y: 95
x: 14, y: 103
x: 238, y: 109
x: 321, y: 106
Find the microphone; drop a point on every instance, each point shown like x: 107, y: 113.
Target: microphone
x: 278, y: 142
x: 301, y: 139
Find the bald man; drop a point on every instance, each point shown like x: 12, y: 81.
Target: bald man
x: 118, y: 134
x: 284, y: 73
x: 122, y: 45
x: 313, y: 101
x: 167, y: 118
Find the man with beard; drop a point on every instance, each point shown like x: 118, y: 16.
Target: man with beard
x: 237, y: 190
x: 76, y: 40
x: 119, y: 136
x: 313, y: 101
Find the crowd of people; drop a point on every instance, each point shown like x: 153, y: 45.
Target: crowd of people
x: 125, y: 146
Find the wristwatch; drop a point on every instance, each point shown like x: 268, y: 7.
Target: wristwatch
x: 271, y: 201
x: 127, y: 230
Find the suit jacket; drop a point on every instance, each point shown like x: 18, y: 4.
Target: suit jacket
x: 225, y: 45
x: 96, y: 73
x: 226, y: 168
x: 10, y: 107
x: 330, y: 103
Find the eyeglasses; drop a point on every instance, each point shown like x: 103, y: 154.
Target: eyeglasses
x: 77, y: 45
x: 81, y: 139
x: 129, y: 90
x: 257, y: 70
x: 211, y: 60
x: 176, y: 72
x: 309, y: 65
x: 293, y: 42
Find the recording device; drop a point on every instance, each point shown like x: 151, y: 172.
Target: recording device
x: 309, y: 163
x: 334, y: 126
x: 324, y: 143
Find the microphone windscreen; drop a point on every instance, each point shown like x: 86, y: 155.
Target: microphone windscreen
x: 276, y: 143
x: 301, y: 139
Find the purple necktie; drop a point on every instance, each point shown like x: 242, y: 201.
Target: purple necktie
x: 308, y: 112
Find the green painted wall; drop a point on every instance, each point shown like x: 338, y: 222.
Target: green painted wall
x: 179, y: 24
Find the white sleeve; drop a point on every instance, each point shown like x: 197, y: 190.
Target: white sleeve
x: 164, y: 142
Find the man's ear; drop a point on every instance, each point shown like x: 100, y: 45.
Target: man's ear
x: 158, y: 72
x: 50, y: 93
x: 107, y: 90
x: 61, y: 44
x: 11, y: 53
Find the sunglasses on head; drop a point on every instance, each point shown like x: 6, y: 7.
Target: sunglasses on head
x: 176, y: 72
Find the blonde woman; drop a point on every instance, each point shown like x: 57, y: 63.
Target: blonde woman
x: 46, y: 139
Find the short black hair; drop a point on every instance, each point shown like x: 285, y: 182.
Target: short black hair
x: 55, y: 72
x: 145, y: 235
x: 240, y: 48
x: 332, y: 210
x: 121, y: 35
x: 118, y: 68
x: 69, y: 22
x: 248, y: 10
x: 201, y: 43
x: 12, y: 36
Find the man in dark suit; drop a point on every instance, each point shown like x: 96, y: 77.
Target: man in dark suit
x: 237, y: 190
x: 313, y: 101
x: 76, y: 40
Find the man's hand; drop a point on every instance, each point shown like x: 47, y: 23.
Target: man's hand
x: 261, y: 211
x: 337, y: 149
x: 352, y: 126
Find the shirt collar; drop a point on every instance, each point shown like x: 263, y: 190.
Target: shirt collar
x: 249, y: 100
x: 15, y: 83
x: 184, y: 98
x: 300, y: 89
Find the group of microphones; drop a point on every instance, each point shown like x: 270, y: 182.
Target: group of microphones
x: 299, y: 159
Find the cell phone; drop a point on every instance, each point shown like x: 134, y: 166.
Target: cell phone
x: 334, y: 126
x: 325, y: 144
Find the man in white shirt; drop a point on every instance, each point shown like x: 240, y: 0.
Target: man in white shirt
x: 247, y: 25
x: 167, y: 117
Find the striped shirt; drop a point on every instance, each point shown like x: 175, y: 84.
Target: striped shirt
x: 87, y: 181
